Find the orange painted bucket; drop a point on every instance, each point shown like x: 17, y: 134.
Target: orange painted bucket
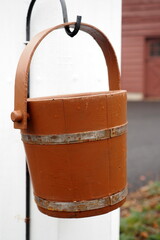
x: 75, y: 144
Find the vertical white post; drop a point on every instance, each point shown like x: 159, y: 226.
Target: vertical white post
x: 12, y: 157
x: 64, y: 65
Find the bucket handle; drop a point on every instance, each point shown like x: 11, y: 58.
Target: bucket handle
x: 19, y: 115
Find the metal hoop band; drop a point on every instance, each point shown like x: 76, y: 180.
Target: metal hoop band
x: 77, y: 206
x: 75, y: 137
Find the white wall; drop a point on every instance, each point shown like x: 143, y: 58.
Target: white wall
x: 61, y: 65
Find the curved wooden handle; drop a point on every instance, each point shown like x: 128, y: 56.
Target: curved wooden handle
x: 19, y: 116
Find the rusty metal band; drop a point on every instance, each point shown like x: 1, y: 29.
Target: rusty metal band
x: 75, y: 137
x: 77, y: 206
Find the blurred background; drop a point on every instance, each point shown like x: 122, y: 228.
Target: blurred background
x: 141, y: 78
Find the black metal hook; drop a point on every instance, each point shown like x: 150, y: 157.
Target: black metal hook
x: 28, y: 20
x: 65, y: 19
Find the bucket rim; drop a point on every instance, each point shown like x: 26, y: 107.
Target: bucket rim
x: 76, y: 95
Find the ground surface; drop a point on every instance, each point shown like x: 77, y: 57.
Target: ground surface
x: 140, y: 215
x: 143, y: 143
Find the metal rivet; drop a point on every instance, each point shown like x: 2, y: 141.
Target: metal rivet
x: 16, y: 116
x: 113, y: 132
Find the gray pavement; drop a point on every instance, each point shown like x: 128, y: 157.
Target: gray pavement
x: 143, y: 143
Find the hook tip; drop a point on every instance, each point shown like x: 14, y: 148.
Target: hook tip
x: 76, y: 28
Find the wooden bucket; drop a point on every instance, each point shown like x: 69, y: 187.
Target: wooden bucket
x: 75, y: 144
